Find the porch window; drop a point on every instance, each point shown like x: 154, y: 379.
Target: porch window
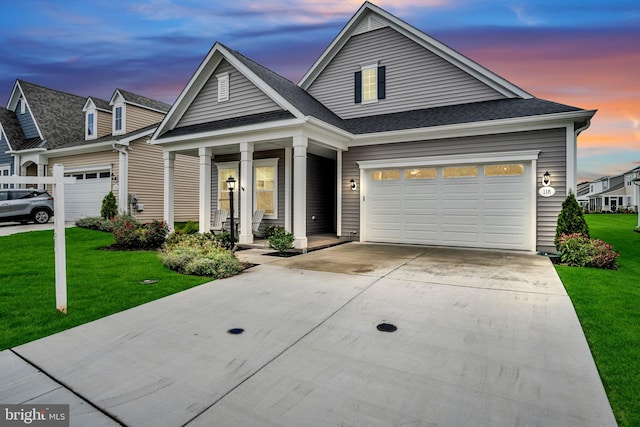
x: 265, y: 174
x: 225, y: 170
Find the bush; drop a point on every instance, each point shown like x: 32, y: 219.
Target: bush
x: 199, y: 255
x: 109, y: 206
x: 191, y: 227
x: 579, y: 250
x: 130, y: 234
x: 270, y: 230
x: 95, y: 223
x: 281, y: 241
x: 570, y: 220
x: 223, y: 239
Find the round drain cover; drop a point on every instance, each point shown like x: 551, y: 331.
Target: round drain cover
x: 387, y: 327
x: 149, y: 282
x: 235, y: 331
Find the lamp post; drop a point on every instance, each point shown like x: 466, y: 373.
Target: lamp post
x: 231, y: 184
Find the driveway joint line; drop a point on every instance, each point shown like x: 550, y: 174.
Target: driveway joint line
x: 68, y: 388
x: 477, y: 287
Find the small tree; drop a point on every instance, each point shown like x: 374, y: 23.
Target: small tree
x: 280, y: 240
x: 109, y: 207
x: 570, y: 220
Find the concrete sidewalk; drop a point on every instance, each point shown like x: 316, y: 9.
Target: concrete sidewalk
x: 483, y: 339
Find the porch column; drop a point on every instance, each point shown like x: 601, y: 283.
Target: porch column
x: 339, y: 193
x: 300, y: 144
x: 287, y: 189
x: 123, y: 180
x: 204, y: 214
x: 42, y: 171
x: 245, y: 192
x: 169, y: 180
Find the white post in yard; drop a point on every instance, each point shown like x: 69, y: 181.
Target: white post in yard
x: 57, y: 181
x: 59, y: 238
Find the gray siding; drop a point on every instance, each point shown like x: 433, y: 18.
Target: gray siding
x: 321, y: 184
x: 244, y: 99
x: 5, y: 159
x: 552, y: 158
x: 27, y: 123
x: 416, y: 78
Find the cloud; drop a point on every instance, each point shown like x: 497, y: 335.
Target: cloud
x: 524, y: 16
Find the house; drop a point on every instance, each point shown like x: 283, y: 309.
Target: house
x: 103, y: 144
x: 616, y: 193
x: 391, y: 136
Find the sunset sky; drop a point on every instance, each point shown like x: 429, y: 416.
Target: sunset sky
x: 582, y: 53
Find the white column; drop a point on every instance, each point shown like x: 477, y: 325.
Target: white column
x: 300, y: 144
x: 169, y: 186
x: 123, y: 181
x: 245, y: 192
x: 287, y: 189
x: 60, y: 252
x: 42, y: 171
x: 205, y: 190
x: 339, y: 194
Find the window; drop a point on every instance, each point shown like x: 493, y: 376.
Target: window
x: 605, y: 185
x: 504, y: 170
x: 385, y: 175
x: 428, y: 173
x: 23, y: 106
x: 93, y: 175
x: 225, y: 170
x: 5, y: 171
x: 460, y: 171
x: 117, y: 120
x: 606, y: 201
x: 223, y: 87
x: 591, y: 188
x: 265, y: 175
x: 370, y: 84
x: 105, y: 174
x: 628, y: 179
x: 91, y: 125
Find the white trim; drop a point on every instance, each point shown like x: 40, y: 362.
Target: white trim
x: 364, y: 68
x: 123, y: 118
x: 92, y: 168
x: 204, y: 193
x: 339, y: 193
x: 503, y: 156
x: 94, y: 114
x: 288, y: 162
x: 571, y: 177
x: 273, y: 162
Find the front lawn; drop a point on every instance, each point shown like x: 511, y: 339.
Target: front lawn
x: 99, y: 283
x: 608, y: 305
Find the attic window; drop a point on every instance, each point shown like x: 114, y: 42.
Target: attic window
x: 370, y: 84
x: 91, y: 125
x: 223, y: 87
x: 23, y: 106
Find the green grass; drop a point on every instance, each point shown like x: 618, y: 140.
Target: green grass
x: 99, y: 283
x: 608, y: 305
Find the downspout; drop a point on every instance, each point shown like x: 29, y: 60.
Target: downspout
x: 123, y: 187
x: 573, y: 180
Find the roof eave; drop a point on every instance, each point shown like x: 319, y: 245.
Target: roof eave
x: 519, y: 124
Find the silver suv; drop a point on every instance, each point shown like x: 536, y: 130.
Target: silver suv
x: 28, y: 204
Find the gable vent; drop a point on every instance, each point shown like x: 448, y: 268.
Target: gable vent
x: 223, y: 87
x: 369, y: 23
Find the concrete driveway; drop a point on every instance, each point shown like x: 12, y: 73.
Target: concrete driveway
x: 483, y: 339
x: 9, y: 228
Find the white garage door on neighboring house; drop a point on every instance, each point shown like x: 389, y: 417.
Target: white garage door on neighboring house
x: 84, y: 198
x: 476, y: 205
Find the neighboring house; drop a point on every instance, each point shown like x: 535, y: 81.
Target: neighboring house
x: 10, y: 135
x: 612, y: 194
x: 104, y: 144
x: 582, y: 194
x: 391, y: 136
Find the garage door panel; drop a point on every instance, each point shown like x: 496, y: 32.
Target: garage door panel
x: 478, y: 211
x: 84, y: 197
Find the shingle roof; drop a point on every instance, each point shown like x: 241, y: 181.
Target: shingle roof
x: 106, y: 138
x: 456, y: 114
x: 12, y: 128
x: 298, y: 97
x: 229, y: 123
x: 58, y: 114
x: 101, y: 104
x: 134, y: 98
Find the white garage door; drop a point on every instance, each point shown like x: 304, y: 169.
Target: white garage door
x: 477, y: 205
x: 84, y: 198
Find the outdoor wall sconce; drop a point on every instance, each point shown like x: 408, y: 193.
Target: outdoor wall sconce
x: 546, y: 179
x: 354, y: 185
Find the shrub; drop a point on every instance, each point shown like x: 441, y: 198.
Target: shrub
x: 199, y: 255
x: 579, y: 250
x: 130, y: 234
x: 109, y: 206
x: 191, y: 227
x: 270, y: 230
x: 223, y: 239
x: 570, y: 220
x: 281, y: 241
x: 95, y: 223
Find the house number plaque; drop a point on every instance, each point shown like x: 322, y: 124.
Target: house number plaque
x: 547, y: 191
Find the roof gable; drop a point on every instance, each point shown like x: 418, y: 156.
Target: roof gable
x: 121, y: 95
x: 370, y: 17
x: 11, y: 129
x: 97, y: 104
